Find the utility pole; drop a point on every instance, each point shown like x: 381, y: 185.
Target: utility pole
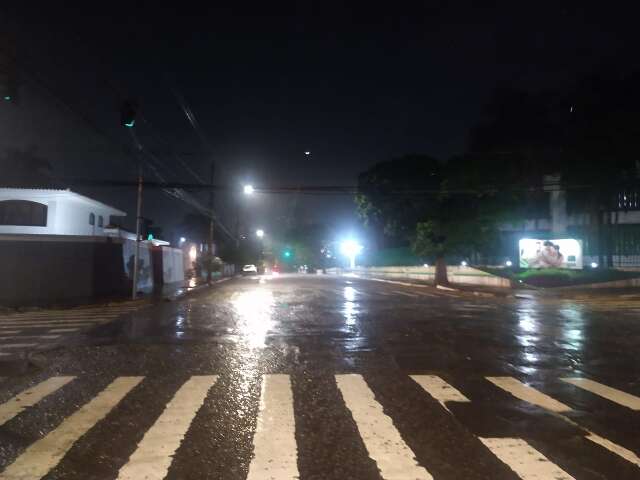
x: 210, y: 241
x: 128, y: 120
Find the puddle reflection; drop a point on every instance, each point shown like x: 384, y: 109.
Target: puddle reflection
x: 255, y: 311
x: 350, y: 308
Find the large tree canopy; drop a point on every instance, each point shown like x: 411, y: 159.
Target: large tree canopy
x: 389, y: 194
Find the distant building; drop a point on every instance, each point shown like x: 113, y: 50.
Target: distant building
x: 53, y: 212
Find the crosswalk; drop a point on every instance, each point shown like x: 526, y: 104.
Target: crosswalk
x: 276, y: 438
x: 20, y: 332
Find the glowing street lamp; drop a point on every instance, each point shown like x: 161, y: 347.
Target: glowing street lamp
x: 350, y: 249
x: 182, y: 240
x: 248, y: 190
x: 260, y: 233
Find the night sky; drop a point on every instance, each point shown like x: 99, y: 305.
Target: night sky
x: 267, y: 81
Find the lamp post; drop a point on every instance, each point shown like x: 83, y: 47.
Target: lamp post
x: 351, y: 248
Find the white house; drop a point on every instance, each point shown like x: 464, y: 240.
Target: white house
x: 53, y: 212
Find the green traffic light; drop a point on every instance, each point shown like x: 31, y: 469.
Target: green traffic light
x: 287, y: 253
x: 130, y: 124
x: 7, y: 98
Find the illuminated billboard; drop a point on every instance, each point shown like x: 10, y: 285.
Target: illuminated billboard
x: 559, y: 253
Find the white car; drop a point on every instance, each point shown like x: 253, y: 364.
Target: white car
x: 249, y: 270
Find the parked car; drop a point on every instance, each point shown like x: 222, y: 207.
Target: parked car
x: 249, y: 270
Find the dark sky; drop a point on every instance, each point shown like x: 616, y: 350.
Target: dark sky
x: 267, y: 81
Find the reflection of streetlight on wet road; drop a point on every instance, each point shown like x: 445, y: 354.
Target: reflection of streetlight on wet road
x: 351, y: 248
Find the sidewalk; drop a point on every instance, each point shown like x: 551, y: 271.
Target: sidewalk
x: 523, y: 293
x: 175, y: 292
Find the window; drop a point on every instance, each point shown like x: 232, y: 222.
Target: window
x: 23, y: 212
x: 100, y: 221
x: 92, y: 219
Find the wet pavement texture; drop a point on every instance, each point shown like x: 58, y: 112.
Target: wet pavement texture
x: 318, y: 377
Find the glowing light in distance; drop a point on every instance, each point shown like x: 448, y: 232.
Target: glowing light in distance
x: 248, y: 189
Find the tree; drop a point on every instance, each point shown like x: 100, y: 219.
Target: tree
x: 586, y: 134
x: 387, y: 200
x: 464, y: 217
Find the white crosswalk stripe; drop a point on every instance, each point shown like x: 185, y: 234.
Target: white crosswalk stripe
x: 524, y: 460
x: 54, y: 322
x: 613, y: 394
x: 439, y: 389
x: 275, y: 445
x: 394, y: 458
x: 30, y: 397
x: 41, y: 326
x: 535, y: 397
x: 34, y: 337
x: 153, y: 456
x: 275, y: 450
x: 528, y: 394
x: 46, y: 453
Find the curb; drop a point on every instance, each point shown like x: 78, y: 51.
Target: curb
x: 440, y: 287
x: 182, y: 293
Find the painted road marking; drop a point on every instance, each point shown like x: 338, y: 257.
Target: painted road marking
x: 63, y: 330
x: 30, y: 397
x: 394, y: 458
x: 439, y: 389
x: 613, y: 394
x: 628, y: 455
x: 412, y: 295
x: 524, y: 460
x: 43, y: 337
x: 533, y: 396
x: 55, y: 321
x: 528, y: 394
x: 61, y: 314
x: 275, y: 449
x: 17, y: 345
x: 62, y: 318
x: 46, y: 453
x: 48, y: 325
x: 154, y: 454
x: 10, y: 331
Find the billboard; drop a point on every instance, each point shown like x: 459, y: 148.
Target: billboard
x: 558, y: 253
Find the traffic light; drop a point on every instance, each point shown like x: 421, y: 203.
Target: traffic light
x: 287, y: 253
x: 128, y: 114
x: 8, y: 78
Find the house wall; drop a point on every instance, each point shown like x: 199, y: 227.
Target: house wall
x: 66, y: 214
x: 172, y: 265
x: 52, y: 270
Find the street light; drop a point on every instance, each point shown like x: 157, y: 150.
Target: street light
x: 260, y: 233
x: 351, y: 248
x: 248, y: 190
x: 182, y: 240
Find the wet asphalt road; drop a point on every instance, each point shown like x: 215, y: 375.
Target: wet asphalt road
x: 317, y: 377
